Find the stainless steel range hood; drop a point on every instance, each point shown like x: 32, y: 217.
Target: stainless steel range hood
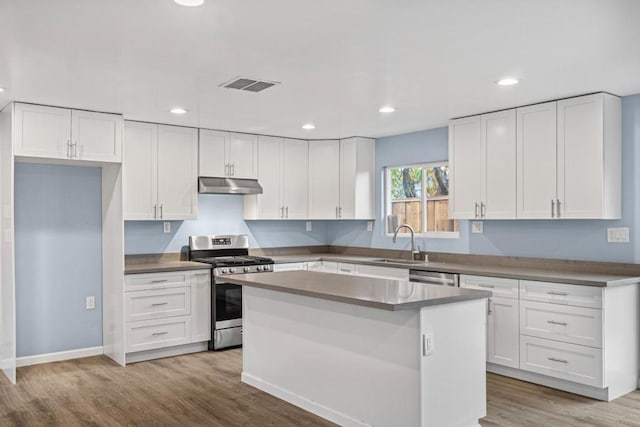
x: 212, y: 185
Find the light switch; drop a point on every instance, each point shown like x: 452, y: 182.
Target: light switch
x: 369, y: 225
x: 166, y: 227
x: 618, y: 235
x: 91, y: 303
x: 309, y: 226
x: 476, y: 227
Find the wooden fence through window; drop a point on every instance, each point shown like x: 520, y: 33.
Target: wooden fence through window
x: 409, y: 212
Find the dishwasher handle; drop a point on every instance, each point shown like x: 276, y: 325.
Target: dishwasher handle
x: 434, y: 278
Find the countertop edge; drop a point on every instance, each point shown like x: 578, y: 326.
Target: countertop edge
x: 166, y: 267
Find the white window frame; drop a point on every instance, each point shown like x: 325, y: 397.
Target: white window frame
x: 387, y: 204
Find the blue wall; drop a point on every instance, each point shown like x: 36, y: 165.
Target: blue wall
x: 58, y: 227
x: 220, y: 214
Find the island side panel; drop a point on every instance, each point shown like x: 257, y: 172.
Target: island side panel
x: 453, y: 377
x: 353, y: 365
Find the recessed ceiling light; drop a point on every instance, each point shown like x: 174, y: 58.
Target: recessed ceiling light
x: 178, y: 110
x: 189, y: 3
x: 509, y: 81
x: 387, y: 109
x: 308, y: 126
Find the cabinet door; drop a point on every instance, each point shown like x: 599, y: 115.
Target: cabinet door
x: 295, y: 190
x: 357, y: 166
x: 499, y: 165
x: 139, y: 170
x: 503, y: 334
x: 212, y: 158
x: 581, y: 157
x: 324, y: 179
x: 177, y: 174
x: 42, y: 131
x: 536, y: 166
x: 96, y: 136
x: 291, y: 266
x: 243, y: 155
x: 465, y: 166
x: 201, y: 306
x: 269, y: 203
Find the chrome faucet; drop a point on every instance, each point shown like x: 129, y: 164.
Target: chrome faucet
x: 414, y: 252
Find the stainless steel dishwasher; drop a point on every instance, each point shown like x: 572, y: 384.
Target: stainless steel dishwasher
x: 434, y: 278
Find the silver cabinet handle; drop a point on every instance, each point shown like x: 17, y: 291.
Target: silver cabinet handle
x: 553, y: 359
x: 476, y: 210
x: 482, y: 285
x: 201, y: 274
x: 156, y: 304
x: 483, y: 209
x: 553, y: 208
x: 286, y: 212
x: 553, y: 322
x: 424, y: 344
x: 339, y: 211
x: 233, y: 169
x: 68, y: 149
x: 161, y: 210
x: 282, y: 212
x: 155, y: 211
x: 75, y: 150
x: 488, y: 307
x: 558, y: 208
x: 159, y: 333
x: 160, y: 281
x: 226, y: 169
x: 562, y: 294
x: 336, y: 212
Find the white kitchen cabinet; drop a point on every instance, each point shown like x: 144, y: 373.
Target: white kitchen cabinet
x: 569, y: 158
x: 382, y: 272
x: 159, y: 172
x: 357, y: 178
x: 61, y: 133
x: 323, y: 266
x: 227, y: 154
x: 200, y: 306
x: 290, y: 266
x: 482, y: 158
x: 283, y: 175
x: 324, y: 179
x: 503, y: 334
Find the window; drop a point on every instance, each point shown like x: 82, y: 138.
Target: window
x: 418, y: 195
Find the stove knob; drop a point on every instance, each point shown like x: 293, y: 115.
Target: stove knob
x: 232, y: 270
x: 223, y: 271
x: 246, y: 269
x: 259, y: 268
x: 267, y: 267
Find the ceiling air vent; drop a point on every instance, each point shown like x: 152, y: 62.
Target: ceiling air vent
x: 250, y: 85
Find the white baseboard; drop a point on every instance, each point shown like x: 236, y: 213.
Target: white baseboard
x: 59, y: 356
x: 302, y: 402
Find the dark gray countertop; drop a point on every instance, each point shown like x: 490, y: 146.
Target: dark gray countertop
x: 366, y: 291
x: 159, y: 267
x: 524, y: 273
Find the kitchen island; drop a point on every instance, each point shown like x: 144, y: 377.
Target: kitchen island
x: 362, y: 351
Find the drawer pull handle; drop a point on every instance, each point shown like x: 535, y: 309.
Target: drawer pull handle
x: 562, y: 294
x: 160, y: 281
x: 553, y: 322
x: 155, y: 304
x: 159, y: 333
x: 201, y: 274
x: 486, y: 286
x: 553, y: 359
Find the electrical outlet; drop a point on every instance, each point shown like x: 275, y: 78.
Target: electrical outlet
x: 166, y: 227
x: 476, y: 227
x: 427, y: 344
x: 91, y: 303
x: 309, y: 226
x: 369, y: 225
x: 618, y: 235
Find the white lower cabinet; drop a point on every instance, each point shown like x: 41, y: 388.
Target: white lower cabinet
x: 166, y: 309
x: 502, y: 317
x: 290, y: 266
x: 323, y: 266
x: 382, y: 272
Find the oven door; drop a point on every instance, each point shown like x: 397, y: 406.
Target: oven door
x: 227, y: 304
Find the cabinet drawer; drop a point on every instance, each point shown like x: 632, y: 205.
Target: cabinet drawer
x: 156, y: 280
x: 560, y: 293
x: 577, y: 325
x: 382, y: 272
x: 499, y: 287
x: 154, y: 304
x: 290, y: 266
x: 152, y: 334
x: 344, y: 268
x: 570, y: 362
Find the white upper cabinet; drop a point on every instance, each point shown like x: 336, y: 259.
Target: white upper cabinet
x: 283, y: 175
x: 60, y: 133
x: 228, y: 154
x: 565, y: 158
x: 324, y: 179
x: 357, y: 181
x: 159, y: 172
x: 536, y: 165
x: 498, y: 164
x: 569, y: 158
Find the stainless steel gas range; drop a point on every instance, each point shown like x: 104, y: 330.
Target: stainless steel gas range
x: 228, y: 254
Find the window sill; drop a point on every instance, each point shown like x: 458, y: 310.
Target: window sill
x: 431, y: 235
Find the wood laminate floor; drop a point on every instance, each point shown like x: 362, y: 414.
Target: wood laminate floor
x: 204, y: 389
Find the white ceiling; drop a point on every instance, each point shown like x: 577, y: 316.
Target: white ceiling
x: 338, y: 60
